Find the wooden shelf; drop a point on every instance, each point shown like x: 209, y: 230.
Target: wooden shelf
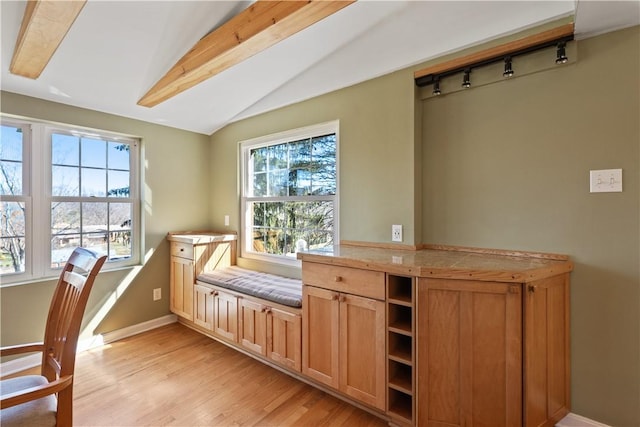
x: 402, y: 358
x: 401, y: 404
x: 400, y: 334
x: 402, y: 382
x: 402, y: 329
x: 401, y: 300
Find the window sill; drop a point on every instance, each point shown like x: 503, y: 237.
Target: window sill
x: 53, y: 278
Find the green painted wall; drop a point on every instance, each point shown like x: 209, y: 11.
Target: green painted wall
x: 507, y: 165
x: 376, y: 157
x: 176, y: 175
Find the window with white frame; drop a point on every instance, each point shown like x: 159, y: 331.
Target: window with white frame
x: 64, y: 187
x: 289, y: 192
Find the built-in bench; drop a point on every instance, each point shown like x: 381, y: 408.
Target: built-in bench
x: 257, y: 312
x: 266, y: 286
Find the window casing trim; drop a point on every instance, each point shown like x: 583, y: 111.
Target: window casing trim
x: 37, y: 180
x: 245, y: 147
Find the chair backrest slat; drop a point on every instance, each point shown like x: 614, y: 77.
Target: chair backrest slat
x: 66, y: 311
x: 74, y: 279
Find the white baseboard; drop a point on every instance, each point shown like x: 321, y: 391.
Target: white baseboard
x: 139, y: 328
x: 27, y: 362
x: 574, y: 420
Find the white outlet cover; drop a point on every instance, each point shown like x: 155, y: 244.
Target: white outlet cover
x: 396, y: 233
x: 605, y: 181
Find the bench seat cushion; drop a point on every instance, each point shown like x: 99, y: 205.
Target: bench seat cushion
x: 282, y: 290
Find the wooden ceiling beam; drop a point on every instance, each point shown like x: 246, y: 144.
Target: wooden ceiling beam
x: 260, y: 26
x: 500, y: 50
x: 44, y: 24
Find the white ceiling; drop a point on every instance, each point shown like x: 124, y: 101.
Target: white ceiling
x: 117, y: 50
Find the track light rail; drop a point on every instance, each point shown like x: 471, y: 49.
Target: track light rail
x: 488, y: 56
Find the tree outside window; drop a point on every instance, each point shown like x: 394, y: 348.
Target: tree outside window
x: 290, y: 193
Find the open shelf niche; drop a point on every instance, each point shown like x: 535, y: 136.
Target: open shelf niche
x: 401, y: 348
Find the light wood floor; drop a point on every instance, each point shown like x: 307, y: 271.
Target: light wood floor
x: 177, y: 377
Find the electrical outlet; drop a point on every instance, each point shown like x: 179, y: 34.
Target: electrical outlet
x: 396, y: 233
x: 226, y: 220
x: 157, y: 294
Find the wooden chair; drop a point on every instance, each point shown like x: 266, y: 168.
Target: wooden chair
x: 47, y: 399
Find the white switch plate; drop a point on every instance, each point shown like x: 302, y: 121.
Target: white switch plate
x: 226, y: 220
x: 605, y: 181
x: 157, y: 294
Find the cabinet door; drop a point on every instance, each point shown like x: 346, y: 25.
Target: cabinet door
x: 320, y: 335
x: 203, y: 306
x: 253, y: 326
x: 546, y: 372
x: 469, y: 353
x: 283, y: 338
x: 362, y: 349
x: 181, y: 287
x: 225, y: 316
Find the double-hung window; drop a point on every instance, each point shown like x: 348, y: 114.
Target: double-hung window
x: 289, y: 193
x: 64, y: 187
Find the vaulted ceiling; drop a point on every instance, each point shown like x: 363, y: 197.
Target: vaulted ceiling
x: 116, y: 51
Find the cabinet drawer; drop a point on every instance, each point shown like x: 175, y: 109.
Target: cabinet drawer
x: 182, y: 250
x: 344, y: 279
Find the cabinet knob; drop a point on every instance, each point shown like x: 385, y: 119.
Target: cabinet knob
x: 532, y: 288
x: 335, y: 297
x: 181, y: 249
x: 342, y: 298
x: 337, y: 279
x: 215, y: 293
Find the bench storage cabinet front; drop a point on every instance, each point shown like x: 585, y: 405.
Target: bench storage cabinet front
x: 254, y: 311
x: 344, y: 330
x: 271, y: 332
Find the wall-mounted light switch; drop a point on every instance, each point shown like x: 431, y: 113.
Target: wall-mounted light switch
x: 605, y: 181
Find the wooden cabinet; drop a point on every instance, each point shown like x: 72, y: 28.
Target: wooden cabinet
x: 362, y: 349
x: 225, y: 315
x: 271, y: 332
x: 470, y: 353
x: 475, y: 337
x: 203, y: 306
x: 181, y: 283
x: 217, y: 311
x: 547, y: 394
x: 320, y: 334
x: 344, y: 334
x: 191, y: 254
x: 284, y: 340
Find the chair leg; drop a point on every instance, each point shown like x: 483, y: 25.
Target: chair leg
x: 65, y: 407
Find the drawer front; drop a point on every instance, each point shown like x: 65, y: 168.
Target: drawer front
x: 182, y: 250
x: 344, y: 279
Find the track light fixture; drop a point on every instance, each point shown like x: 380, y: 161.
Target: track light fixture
x: 454, y: 67
x: 436, y: 87
x: 504, y: 54
x: 508, y: 70
x: 466, y: 81
x: 561, y: 55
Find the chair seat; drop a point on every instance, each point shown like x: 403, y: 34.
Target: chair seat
x: 40, y: 412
